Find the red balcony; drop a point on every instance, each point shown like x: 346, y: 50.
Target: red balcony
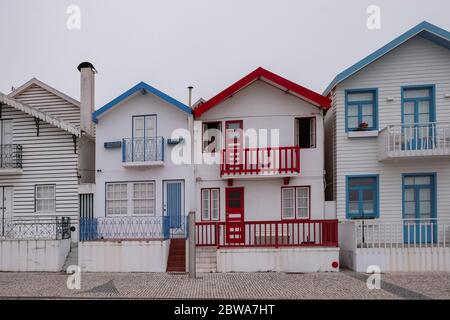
x: 260, y: 161
x: 285, y: 233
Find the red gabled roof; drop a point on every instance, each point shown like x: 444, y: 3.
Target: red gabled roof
x: 261, y: 73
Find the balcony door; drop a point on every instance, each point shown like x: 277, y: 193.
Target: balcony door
x: 234, y: 223
x: 419, y: 208
x: 233, y: 145
x: 6, y: 144
x: 417, y: 117
x: 6, y: 210
x: 145, y: 146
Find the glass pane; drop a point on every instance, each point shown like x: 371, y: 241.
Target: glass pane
x: 408, y: 119
x: 353, y: 195
x: 360, y: 96
x: 424, y: 118
x: 353, y: 207
x: 352, y: 110
x: 425, y: 208
x: 368, y: 120
x: 368, y: 195
x: 352, y: 122
x: 410, y: 208
x: 409, y: 194
x: 409, y: 181
x: 368, y: 206
x: 416, y: 93
x: 425, y: 194
x: 367, y: 109
x: 361, y: 182
x: 422, y: 180
x: 408, y: 108
x: 424, y: 107
x: 234, y: 203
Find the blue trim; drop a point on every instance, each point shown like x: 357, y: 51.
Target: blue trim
x: 141, y: 86
x: 374, y: 91
x: 424, y: 29
x: 433, y: 185
x: 376, y: 213
x: 430, y: 87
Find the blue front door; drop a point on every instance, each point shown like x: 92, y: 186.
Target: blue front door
x: 174, y: 202
x: 419, y: 208
x: 417, y: 118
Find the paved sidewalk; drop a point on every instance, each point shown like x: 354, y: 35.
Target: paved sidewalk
x: 343, y: 285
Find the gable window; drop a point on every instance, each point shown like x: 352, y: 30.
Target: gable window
x: 361, y: 110
x: 305, y: 132
x: 45, y: 198
x: 211, y: 135
x: 295, y: 202
x: 210, y: 204
x: 362, y: 197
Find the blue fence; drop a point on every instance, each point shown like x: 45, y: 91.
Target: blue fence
x: 132, y: 228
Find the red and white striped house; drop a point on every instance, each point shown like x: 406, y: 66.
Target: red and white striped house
x: 261, y: 206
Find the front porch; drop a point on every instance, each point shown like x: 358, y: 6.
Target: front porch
x: 395, y: 245
x: 254, y: 246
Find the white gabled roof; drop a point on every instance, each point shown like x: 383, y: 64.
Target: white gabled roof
x: 44, y: 116
x: 45, y: 86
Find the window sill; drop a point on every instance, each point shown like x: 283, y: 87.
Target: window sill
x: 362, y: 134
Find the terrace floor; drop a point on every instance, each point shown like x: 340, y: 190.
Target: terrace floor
x: 342, y: 285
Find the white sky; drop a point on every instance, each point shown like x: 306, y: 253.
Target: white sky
x: 205, y: 43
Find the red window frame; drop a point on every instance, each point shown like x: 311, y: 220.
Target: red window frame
x: 210, y: 204
x: 295, y: 203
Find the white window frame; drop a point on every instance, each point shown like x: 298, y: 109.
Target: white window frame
x: 130, y: 199
x: 207, y: 204
x: 295, y: 192
x: 149, y: 198
x: 51, y: 198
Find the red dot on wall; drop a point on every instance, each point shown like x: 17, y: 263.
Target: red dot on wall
x: 335, y: 264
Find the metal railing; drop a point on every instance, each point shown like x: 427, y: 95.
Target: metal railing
x: 260, y: 161
x: 10, y: 156
x: 143, y: 149
x: 406, y: 233
x: 285, y: 233
x: 50, y: 228
x: 415, y: 139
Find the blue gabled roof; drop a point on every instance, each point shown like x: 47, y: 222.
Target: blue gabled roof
x: 424, y: 29
x: 139, y: 87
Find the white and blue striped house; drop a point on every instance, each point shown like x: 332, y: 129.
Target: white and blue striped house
x: 387, y: 154
x: 143, y: 194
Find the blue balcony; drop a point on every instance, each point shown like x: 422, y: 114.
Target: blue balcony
x: 143, y: 152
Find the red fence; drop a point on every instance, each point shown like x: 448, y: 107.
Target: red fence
x: 260, y: 161
x: 286, y: 233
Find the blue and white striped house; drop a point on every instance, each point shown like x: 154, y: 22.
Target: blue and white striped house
x: 387, y: 154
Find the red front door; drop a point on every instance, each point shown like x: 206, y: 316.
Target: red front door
x: 233, y: 145
x: 235, y: 231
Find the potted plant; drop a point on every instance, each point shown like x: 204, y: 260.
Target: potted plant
x: 362, y: 126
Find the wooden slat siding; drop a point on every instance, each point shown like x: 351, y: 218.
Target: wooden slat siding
x: 47, y: 159
x: 44, y: 100
x: 418, y: 61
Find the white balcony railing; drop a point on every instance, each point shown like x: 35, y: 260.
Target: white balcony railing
x: 401, y: 233
x: 414, y: 140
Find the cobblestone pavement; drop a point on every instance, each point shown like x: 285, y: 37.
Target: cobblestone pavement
x: 343, y: 285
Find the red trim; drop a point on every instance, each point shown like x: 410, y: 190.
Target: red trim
x: 289, y: 86
x: 210, y: 204
x: 234, y: 227
x: 295, y: 203
x: 294, y: 233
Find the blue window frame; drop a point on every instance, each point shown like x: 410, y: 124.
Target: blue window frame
x: 361, y: 106
x: 418, y: 104
x: 362, y: 200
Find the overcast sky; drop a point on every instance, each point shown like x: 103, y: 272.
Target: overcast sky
x: 205, y: 43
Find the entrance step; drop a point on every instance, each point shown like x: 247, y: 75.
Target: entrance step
x: 72, y: 257
x: 177, y: 256
x: 206, y: 259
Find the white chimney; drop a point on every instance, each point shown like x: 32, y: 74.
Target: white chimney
x: 87, y: 96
